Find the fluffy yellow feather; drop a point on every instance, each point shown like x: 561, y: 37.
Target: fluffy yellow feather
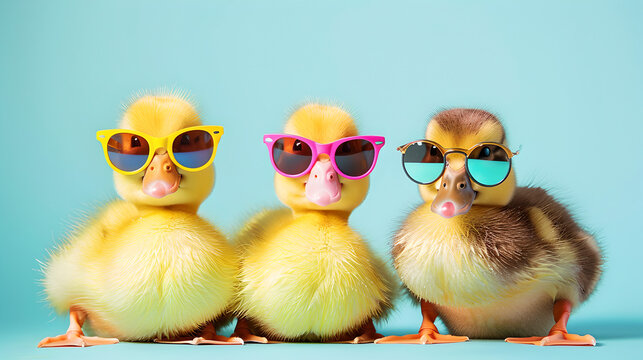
x: 146, y: 268
x: 306, y: 274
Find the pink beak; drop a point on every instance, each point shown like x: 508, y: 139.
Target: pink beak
x: 323, y: 187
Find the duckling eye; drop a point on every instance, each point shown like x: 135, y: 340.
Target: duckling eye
x: 135, y: 142
x: 185, y: 139
x: 485, y: 152
x: 346, y: 148
x: 296, y: 146
x: 434, y: 150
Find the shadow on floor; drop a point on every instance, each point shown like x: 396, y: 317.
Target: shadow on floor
x: 606, y: 329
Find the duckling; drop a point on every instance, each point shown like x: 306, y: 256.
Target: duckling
x: 148, y: 267
x: 491, y: 260
x: 306, y: 275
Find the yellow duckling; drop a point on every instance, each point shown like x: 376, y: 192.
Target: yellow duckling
x: 306, y: 274
x: 148, y: 267
x: 492, y: 260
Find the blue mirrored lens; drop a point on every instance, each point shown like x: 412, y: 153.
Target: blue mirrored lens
x: 193, y: 149
x: 193, y: 159
x: 127, y: 162
x: 488, y: 172
x: 127, y: 152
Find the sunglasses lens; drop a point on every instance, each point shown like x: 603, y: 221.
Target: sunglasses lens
x: 423, y: 162
x: 193, y: 149
x: 292, y: 156
x: 355, y: 157
x: 488, y: 164
x: 127, y: 152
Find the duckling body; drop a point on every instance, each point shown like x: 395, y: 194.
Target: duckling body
x: 310, y: 277
x: 142, y: 274
x: 306, y: 275
x: 497, y: 272
x: 148, y: 267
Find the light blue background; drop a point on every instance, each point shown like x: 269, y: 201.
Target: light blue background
x: 565, y: 77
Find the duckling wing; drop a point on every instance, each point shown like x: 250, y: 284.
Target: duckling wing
x: 571, y: 244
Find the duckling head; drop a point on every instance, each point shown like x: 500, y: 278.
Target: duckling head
x: 454, y: 193
x: 322, y: 189
x: 162, y: 183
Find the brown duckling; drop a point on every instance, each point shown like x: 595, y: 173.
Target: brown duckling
x: 492, y: 260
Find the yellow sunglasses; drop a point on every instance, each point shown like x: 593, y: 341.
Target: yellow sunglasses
x: 129, y: 152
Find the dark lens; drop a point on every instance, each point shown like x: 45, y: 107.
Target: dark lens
x: 488, y: 164
x: 423, y: 162
x: 193, y: 149
x: 127, y: 152
x: 292, y: 156
x: 355, y: 157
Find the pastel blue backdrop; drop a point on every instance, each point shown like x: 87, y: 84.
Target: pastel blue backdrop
x: 565, y: 77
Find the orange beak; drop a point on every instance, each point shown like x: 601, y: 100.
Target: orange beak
x: 161, y: 177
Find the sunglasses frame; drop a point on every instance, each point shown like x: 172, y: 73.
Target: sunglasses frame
x: 156, y: 143
x: 465, y: 152
x: 328, y: 149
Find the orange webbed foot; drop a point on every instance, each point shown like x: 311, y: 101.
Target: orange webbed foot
x: 558, y: 334
x: 557, y: 338
x: 208, y: 336
x: 249, y: 338
x: 217, y: 340
x: 369, y: 335
x: 428, y: 333
x: 242, y: 331
x: 423, y: 337
x: 75, y: 339
x: 366, y: 338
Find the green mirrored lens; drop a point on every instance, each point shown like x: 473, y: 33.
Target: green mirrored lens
x: 488, y: 164
x: 424, y: 173
x: 488, y: 172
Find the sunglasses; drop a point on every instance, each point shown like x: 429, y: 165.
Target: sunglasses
x: 487, y: 163
x: 129, y: 152
x: 352, y: 157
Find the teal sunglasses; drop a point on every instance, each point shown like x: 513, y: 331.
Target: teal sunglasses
x: 487, y: 163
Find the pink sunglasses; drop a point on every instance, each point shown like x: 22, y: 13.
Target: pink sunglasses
x: 352, y: 157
